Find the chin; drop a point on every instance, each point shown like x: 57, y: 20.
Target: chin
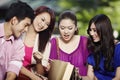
x: 16, y: 37
x: 67, y: 40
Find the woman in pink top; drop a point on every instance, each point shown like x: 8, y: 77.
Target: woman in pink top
x: 38, y: 34
x: 70, y: 46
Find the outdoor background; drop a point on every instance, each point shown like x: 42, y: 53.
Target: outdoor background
x: 84, y: 9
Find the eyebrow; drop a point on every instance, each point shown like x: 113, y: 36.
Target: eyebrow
x: 92, y: 28
x: 66, y: 26
x: 28, y: 24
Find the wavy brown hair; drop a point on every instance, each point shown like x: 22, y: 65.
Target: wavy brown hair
x: 45, y: 35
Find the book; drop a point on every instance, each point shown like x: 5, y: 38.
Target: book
x: 60, y: 70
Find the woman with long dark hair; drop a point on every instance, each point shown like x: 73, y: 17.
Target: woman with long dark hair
x: 36, y: 41
x: 104, y: 61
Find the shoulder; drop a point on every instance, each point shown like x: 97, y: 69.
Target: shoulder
x: 84, y: 37
x: 18, y: 42
x: 84, y: 40
x: 117, y: 55
x: 53, y: 39
x: 117, y: 47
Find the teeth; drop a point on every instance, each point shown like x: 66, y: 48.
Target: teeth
x: 66, y: 36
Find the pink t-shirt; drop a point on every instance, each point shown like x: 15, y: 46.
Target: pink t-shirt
x: 28, y: 56
x: 11, y: 54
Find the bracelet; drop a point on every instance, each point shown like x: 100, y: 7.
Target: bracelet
x: 80, y: 78
x: 41, y: 76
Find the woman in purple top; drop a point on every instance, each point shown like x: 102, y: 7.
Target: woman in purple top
x: 70, y: 47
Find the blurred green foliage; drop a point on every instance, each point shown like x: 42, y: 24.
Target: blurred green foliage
x: 86, y: 9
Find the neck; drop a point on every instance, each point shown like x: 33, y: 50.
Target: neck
x: 7, y: 30
x: 31, y: 30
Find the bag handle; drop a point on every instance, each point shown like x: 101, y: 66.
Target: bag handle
x: 58, y: 50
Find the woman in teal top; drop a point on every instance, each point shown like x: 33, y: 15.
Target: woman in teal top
x: 104, y: 62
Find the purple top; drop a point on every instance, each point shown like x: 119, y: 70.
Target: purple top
x: 78, y: 57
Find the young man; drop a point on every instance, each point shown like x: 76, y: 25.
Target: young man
x: 19, y: 16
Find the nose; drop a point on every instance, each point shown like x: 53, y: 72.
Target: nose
x: 66, y: 31
x: 26, y: 29
x: 43, y: 24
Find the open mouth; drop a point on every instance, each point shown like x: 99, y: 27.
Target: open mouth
x: 66, y: 36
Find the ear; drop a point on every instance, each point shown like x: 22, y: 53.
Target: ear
x: 14, y: 21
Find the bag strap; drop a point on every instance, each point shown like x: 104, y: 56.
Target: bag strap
x: 58, y: 50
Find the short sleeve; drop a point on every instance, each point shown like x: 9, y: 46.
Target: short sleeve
x: 90, y: 60
x: 117, y: 55
x: 53, y: 50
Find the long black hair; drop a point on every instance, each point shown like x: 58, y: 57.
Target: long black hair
x: 105, y: 47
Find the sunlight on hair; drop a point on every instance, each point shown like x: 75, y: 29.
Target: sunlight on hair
x: 115, y: 33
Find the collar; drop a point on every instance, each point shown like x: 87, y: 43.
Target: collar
x: 2, y: 33
x: 2, y: 30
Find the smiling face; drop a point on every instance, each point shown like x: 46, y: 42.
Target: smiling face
x: 93, y: 33
x: 19, y: 27
x: 67, y: 29
x: 41, y: 21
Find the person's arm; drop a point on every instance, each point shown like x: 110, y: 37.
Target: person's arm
x: 40, y: 69
x: 117, y: 75
x: 29, y: 74
x: 10, y: 76
x: 90, y: 74
x: 15, y: 63
x: 38, y: 57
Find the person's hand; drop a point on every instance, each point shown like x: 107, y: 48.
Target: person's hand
x: 48, y: 67
x: 38, y: 56
x: 115, y: 78
x: 36, y: 78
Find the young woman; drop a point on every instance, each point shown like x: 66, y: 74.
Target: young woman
x: 70, y: 46
x: 104, y: 62
x: 37, y: 38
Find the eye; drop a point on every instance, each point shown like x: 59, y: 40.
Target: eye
x: 70, y: 28
x: 26, y: 25
x: 89, y: 30
x: 47, y: 24
x: 94, y: 30
x: 43, y: 19
x: 62, y: 27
